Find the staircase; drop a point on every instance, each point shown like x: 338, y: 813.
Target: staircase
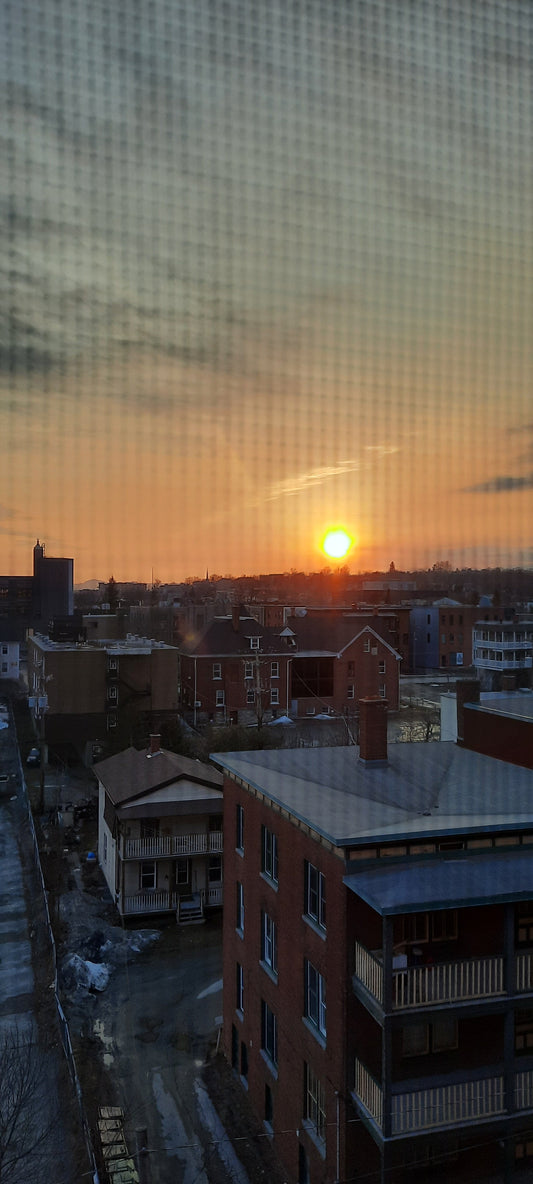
x: 190, y: 910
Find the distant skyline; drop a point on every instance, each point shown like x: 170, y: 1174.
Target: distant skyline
x: 267, y: 268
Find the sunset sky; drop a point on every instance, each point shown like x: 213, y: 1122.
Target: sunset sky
x: 267, y: 267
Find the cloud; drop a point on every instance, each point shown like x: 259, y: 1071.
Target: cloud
x: 301, y: 482
x: 504, y: 484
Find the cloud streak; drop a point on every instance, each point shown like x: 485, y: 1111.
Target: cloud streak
x: 301, y: 482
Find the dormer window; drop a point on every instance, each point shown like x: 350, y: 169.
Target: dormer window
x: 254, y: 643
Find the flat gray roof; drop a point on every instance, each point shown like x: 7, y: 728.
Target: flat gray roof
x: 452, y: 881
x: 424, y: 790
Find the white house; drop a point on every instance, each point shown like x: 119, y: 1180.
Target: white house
x: 9, y: 660
x: 160, y: 832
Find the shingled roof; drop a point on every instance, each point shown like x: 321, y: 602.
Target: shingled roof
x: 131, y: 773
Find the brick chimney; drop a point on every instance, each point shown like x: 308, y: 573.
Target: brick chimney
x: 155, y: 744
x: 467, y: 691
x: 373, y: 730
x: 235, y: 617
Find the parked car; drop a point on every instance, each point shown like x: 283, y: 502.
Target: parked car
x: 33, y: 758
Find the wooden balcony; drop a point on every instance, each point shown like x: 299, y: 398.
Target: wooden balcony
x: 443, y: 982
x: 161, y: 846
x: 167, y: 902
x: 452, y: 1104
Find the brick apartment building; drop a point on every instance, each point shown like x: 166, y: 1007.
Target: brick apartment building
x: 239, y: 670
x: 92, y: 691
x: 378, y: 957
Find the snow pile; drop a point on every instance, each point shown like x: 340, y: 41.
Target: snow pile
x: 77, y: 973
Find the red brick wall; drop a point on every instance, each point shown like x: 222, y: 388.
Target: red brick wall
x: 499, y: 736
x: 296, y: 941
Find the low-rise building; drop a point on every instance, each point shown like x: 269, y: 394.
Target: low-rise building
x: 378, y: 956
x: 501, y: 648
x: 160, y: 832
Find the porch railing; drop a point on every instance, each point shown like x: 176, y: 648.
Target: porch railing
x: 171, y: 845
x: 444, y: 982
x: 369, y: 1092
x: 150, y: 902
x: 445, y: 1105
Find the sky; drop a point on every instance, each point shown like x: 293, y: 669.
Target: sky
x: 267, y: 267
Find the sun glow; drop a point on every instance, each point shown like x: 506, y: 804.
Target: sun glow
x: 336, y: 543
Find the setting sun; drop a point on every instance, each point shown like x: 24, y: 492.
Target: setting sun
x: 337, y: 543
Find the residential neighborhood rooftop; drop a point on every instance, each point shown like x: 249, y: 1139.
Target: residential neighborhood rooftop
x: 421, y: 790
x: 132, y: 773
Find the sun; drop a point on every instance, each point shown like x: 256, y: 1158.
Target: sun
x: 336, y: 543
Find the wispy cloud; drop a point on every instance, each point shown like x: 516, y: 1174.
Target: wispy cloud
x: 301, y: 482
x: 503, y: 484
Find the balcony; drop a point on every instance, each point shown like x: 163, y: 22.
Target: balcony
x: 460, y: 1102
x: 167, y: 902
x: 503, y: 663
x: 161, y: 846
x: 445, y: 982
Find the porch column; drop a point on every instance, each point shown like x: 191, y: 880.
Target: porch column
x: 386, y: 1034
x: 509, y: 971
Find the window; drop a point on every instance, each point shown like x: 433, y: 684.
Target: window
x: 220, y: 699
x: 269, y: 942
x: 274, y: 669
x: 383, y: 690
x: 239, y: 991
x: 254, y: 643
x: 420, y: 1039
x: 112, y: 694
x: 239, y: 828
x: 111, y: 720
x: 239, y: 919
x: 105, y: 847
x: 523, y: 1032
x: 269, y: 854
x: 382, y: 666
x: 182, y: 872
x: 366, y: 645
x: 315, y: 895
x: 428, y: 618
x: 350, y: 693
x: 314, y: 1104
x: 274, y: 696
x: 4, y: 667
x: 248, y: 669
x: 269, y: 1109
x: 214, y: 869
x: 4, y: 649
x: 351, y: 669
x: 112, y: 664
x: 315, y: 997
x: 269, y: 1033
x: 217, y: 670
x: 147, y: 875
x: 250, y: 697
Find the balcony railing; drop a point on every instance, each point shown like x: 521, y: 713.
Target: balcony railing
x: 172, y: 845
x: 444, y: 982
x: 506, y: 664
x: 167, y: 902
x: 441, y: 1105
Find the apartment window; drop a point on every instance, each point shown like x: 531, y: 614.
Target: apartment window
x: 428, y: 618
x: 112, y: 664
x: 250, y: 697
x: 269, y: 854
x: 4, y: 649
x: 315, y: 895
x: 382, y: 666
x: 269, y: 942
x: 428, y: 638
x: 269, y: 1033
x: 314, y: 1104
x: 239, y: 918
x: 350, y: 693
x: 217, y: 670
x: 315, y: 997
x: 239, y: 991
x: 248, y: 669
x: 239, y: 828
x: 112, y: 694
x: 383, y: 690
x: 274, y: 696
x: 147, y: 875
x: 254, y: 643
x: 420, y: 1039
x: 366, y: 645
x: 214, y: 869
x: 182, y: 872
x: 351, y: 669
x: 274, y: 669
x: 523, y: 1032
x: 220, y: 699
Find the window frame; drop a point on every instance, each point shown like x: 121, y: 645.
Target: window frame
x: 315, y: 998
x: 315, y: 892
x: 314, y: 1105
x: 145, y: 874
x: 269, y: 1034
x: 239, y: 988
x: 274, y: 669
x: 248, y: 669
x: 269, y: 854
x: 269, y: 942
x: 239, y: 827
x: 274, y: 696
x: 217, y: 666
x: 239, y: 907
x: 220, y: 698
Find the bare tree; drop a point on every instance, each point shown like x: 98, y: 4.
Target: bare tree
x: 27, y: 1119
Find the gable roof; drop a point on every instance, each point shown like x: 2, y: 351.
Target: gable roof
x: 131, y: 773
x: 219, y: 639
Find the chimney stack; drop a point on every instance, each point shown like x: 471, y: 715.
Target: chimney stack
x: 373, y: 730
x: 467, y: 691
x: 155, y: 744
